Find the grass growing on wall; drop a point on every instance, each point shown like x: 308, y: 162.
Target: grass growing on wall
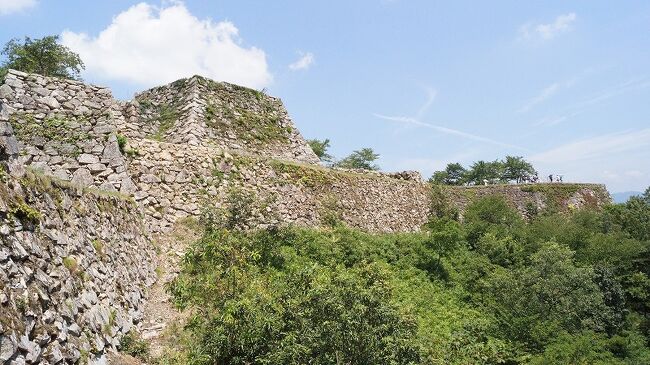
x: 65, y: 132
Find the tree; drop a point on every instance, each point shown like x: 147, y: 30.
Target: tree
x: 361, y: 159
x: 42, y: 56
x: 491, y: 214
x: 482, y: 171
x: 517, y: 169
x: 320, y: 149
x: 257, y: 303
x: 454, y: 174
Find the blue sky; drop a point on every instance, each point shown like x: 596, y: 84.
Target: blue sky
x: 564, y: 84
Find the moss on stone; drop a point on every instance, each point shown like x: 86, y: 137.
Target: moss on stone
x: 66, y: 132
x: 25, y: 213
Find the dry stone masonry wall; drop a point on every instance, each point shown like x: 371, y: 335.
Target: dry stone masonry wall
x: 176, y: 147
x: 74, y: 266
x: 175, y: 181
x: 66, y: 129
x: 533, y: 198
x: 200, y: 112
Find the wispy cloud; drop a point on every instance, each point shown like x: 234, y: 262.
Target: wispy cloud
x: 445, y: 130
x: 562, y: 24
x: 416, y: 121
x: 595, y: 147
x: 545, y: 94
x: 551, y: 121
x: 431, y: 97
x: 304, y: 62
x: 625, y: 87
x: 583, y: 105
x: 14, y: 6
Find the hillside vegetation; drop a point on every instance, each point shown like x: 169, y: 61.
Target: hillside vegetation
x: 490, y: 290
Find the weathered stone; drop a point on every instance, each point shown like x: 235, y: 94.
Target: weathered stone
x: 86, y: 158
x: 127, y: 186
x: 8, y: 347
x: 82, y: 177
x: 5, y: 91
x: 41, y: 91
x: 61, y: 174
x: 107, y: 187
x: 51, y: 102
x: 97, y: 168
x: 53, y: 353
x: 8, y: 147
x: 149, y: 178
x: 112, y: 151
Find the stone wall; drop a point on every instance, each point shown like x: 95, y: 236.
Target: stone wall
x: 186, y: 144
x: 529, y: 199
x: 175, y: 181
x: 66, y: 129
x: 201, y: 112
x: 74, y: 266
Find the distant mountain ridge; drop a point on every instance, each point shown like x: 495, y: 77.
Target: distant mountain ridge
x: 624, y: 196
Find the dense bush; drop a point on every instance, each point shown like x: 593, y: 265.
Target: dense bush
x: 491, y: 290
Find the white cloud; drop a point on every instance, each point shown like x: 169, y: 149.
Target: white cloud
x: 13, y: 6
x: 304, y: 62
x: 562, y: 24
x: 595, y: 147
x: 148, y: 46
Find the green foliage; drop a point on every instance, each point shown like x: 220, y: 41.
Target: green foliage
x: 132, y: 344
x: 167, y: 117
x: 491, y: 214
x: 237, y: 213
x: 482, y: 171
x: 562, y: 289
x: 65, y: 132
x: 517, y: 169
x: 121, y: 142
x: 330, y: 212
x: 42, y: 56
x: 632, y: 217
x: 362, y: 159
x: 320, y: 149
x: 513, y: 168
x: 583, y: 348
x: 454, y: 174
x: 440, y: 206
x: 25, y: 213
x: 71, y: 264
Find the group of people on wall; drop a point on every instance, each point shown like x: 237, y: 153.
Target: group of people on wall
x: 534, y: 179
